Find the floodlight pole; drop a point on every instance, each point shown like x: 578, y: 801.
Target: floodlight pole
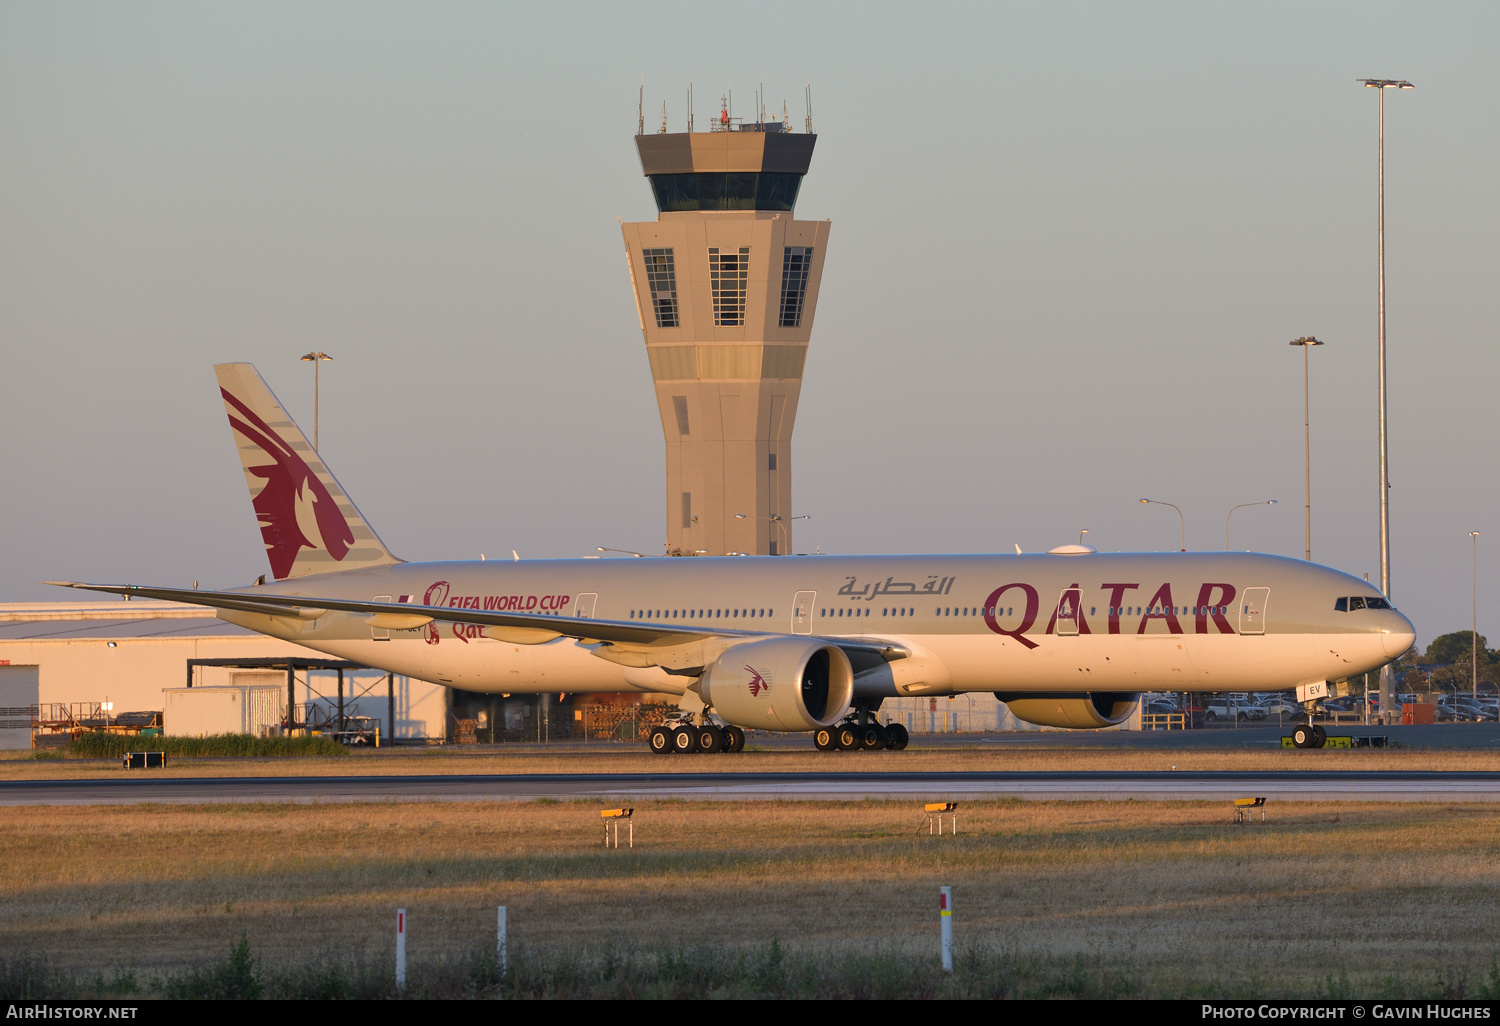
x: 1306, y: 343
x: 1380, y: 85
x: 1474, y: 632
x: 316, y: 359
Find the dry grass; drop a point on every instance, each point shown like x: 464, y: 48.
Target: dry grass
x: 608, y: 758
x: 1342, y: 898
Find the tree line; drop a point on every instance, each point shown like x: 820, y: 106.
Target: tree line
x: 1448, y: 665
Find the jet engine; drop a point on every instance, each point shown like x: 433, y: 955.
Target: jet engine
x: 1071, y: 709
x: 780, y: 684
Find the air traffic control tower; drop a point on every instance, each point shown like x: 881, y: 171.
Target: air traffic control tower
x: 726, y: 283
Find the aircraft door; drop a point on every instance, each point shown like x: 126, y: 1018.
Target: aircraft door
x: 1068, y: 613
x: 583, y: 608
x: 381, y: 633
x: 1253, y: 610
x: 802, y: 612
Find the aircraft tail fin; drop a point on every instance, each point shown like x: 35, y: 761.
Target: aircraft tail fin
x: 309, y: 525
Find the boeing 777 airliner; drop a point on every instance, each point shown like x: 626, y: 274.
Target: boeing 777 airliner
x: 792, y: 643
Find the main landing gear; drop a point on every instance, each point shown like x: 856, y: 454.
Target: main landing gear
x: 689, y: 739
x: 868, y: 737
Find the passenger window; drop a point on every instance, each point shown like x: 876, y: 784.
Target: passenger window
x: 1341, y: 605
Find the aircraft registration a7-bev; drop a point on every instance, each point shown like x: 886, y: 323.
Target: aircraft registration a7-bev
x: 1069, y: 638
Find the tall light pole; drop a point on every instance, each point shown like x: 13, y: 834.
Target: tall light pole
x: 316, y: 359
x: 1180, y: 520
x: 1306, y: 343
x: 1262, y: 502
x: 1380, y: 85
x: 1474, y: 633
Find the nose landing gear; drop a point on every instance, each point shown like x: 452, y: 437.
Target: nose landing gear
x: 1309, y: 735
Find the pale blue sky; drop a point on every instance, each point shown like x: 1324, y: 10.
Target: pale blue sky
x: 1069, y: 245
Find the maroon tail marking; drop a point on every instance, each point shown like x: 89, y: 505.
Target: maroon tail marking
x: 276, y: 505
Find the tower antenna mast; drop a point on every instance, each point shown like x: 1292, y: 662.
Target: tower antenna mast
x: 640, y: 109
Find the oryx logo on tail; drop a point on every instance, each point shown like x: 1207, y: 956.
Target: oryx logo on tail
x: 294, y: 508
x: 307, y: 523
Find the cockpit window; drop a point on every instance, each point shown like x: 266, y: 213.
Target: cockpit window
x: 1356, y: 602
x: 1377, y: 603
x: 1341, y: 605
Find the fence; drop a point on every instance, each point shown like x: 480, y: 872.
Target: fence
x: 586, y: 723
x: 56, y: 724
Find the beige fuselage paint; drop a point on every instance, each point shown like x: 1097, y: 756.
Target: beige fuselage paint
x: 1144, y: 621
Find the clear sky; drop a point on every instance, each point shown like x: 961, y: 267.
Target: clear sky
x: 1070, y: 244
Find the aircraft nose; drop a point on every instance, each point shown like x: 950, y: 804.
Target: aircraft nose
x: 1397, y: 634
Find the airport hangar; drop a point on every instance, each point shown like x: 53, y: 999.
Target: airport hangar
x: 126, y: 653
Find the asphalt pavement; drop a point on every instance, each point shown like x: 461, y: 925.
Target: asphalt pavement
x: 1199, y: 786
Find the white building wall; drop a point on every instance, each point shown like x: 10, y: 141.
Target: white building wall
x: 132, y: 672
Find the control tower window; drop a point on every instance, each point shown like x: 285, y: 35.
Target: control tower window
x: 796, y: 262
x: 661, y: 278
x: 726, y: 190
x: 728, y: 274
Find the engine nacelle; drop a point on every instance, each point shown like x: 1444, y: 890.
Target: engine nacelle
x: 1071, y: 709
x: 780, y: 684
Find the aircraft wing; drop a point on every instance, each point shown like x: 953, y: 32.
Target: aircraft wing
x: 399, y: 615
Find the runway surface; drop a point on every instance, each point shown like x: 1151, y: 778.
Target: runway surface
x: 1156, y: 786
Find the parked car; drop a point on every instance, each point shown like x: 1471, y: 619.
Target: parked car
x: 1281, y: 706
x: 1465, y: 709
x: 1160, y: 706
x: 1218, y: 708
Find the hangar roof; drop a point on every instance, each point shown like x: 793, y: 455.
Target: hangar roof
x: 67, y: 621
x: 81, y: 630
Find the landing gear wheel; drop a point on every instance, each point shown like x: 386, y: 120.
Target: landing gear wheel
x: 1322, y: 737
x: 1303, y: 736
x: 684, y: 740
x: 661, y: 741
x: 896, y: 737
x: 845, y: 739
x: 734, y: 740
x: 823, y: 740
x: 710, y: 739
x: 872, y: 737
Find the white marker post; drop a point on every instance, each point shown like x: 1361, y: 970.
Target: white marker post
x: 500, y: 941
x: 945, y: 913
x: 400, y: 949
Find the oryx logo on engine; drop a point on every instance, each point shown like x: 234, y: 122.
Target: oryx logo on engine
x: 758, y: 682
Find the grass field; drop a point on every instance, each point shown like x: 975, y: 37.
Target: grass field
x: 612, y: 758
x: 814, y: 898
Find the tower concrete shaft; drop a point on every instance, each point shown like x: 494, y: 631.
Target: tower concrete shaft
x: 726, y: 284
